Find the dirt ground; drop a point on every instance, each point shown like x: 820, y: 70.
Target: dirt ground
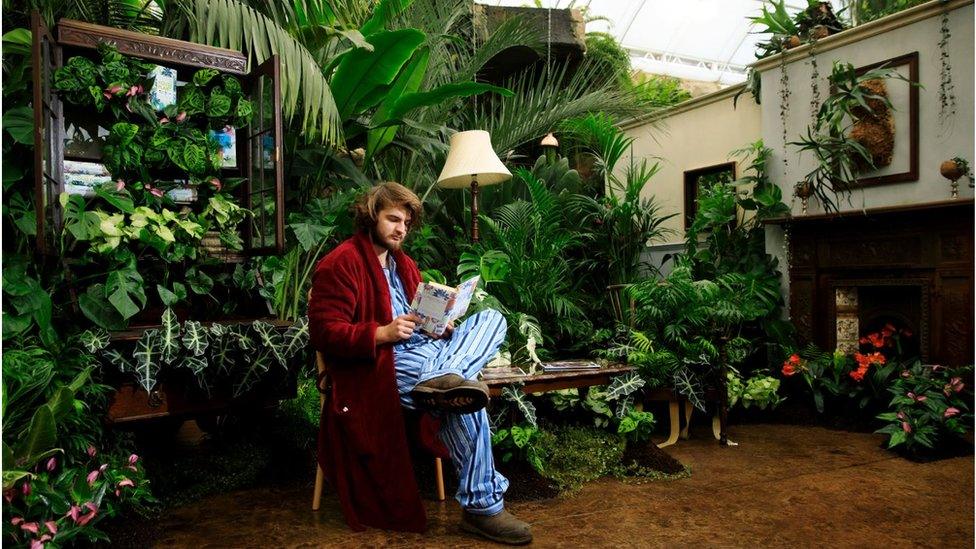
x: 782, y: 486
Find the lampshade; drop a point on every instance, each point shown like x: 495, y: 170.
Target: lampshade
x: 549, y: 140
x: 471, y: 155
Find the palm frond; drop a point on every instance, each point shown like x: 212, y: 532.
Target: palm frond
x: 303, y: 85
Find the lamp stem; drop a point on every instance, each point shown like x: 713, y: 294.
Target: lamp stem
x: 474, y: 209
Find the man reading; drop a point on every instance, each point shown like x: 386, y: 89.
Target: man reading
x: 360, y: 320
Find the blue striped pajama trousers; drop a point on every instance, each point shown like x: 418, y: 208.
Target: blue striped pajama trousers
x: 481, y: 489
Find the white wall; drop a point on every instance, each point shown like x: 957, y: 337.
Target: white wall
x: 913, y: 30
x: 695, y: 134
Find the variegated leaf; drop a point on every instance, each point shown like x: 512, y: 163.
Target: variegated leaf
x: 242, y: 337
x: 169, y: 337
x: 195, y: 338
x: 223, y: 343
x: 624, y: 385
x: 269, y: 340
x: 147, y: 357
x: 115, y: 358
x: 513, y: 393
x: 252, y: 372
x: 94, y: 340
x: 624, y: 406
x: 295, y: 338
x: 196, y: 364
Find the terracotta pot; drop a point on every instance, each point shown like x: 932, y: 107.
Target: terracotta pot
x: 951, y: 170
x: 792, y: 42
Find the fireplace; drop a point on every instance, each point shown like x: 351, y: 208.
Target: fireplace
x: 851, y: 274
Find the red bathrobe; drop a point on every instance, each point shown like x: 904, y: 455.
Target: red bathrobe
x: 362, y: 437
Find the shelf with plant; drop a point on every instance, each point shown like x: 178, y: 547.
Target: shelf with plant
x: 132, y: 233
x: 839, y: 156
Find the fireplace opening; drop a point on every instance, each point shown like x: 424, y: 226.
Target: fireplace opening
x: 896, y: 306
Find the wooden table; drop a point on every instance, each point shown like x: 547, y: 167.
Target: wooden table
x: 554, y: 381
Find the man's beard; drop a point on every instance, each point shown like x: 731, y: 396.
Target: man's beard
x: 380, y: 241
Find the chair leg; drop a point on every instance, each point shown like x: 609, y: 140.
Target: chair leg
x: 439, y: 470
x: 319, y: 481
x: 688, y: 411
x: 674, y: 413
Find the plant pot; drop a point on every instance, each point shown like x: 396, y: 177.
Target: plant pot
x: 792, y: 42
x: 803, y: 190
x: 819, y: 32
x: 951, y: 170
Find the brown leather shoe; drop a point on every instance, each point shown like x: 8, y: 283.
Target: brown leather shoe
x: 451, y: 393
x: 503, y: 527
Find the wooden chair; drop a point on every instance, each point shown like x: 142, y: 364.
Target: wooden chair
x: 320, y: 474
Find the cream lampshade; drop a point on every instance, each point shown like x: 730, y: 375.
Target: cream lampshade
x: 472, y: 163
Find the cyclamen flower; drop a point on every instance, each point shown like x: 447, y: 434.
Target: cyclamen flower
x: 906, y: 427
x: 164, y: 120
x: 950, y: 412
x: 52, y: 464
x: 91, y: 451
x: 103, y: 467
x: 158, y: 193
x: 119, y: 185
x: 30, y: 527
x: 51, y: 526
x: 133, y: 91
x: 133, y: 459
x: 92, y: 477
x: 126, y: 482
x: 16, y: 520
x: 900, y: 415
x: 39, y: 543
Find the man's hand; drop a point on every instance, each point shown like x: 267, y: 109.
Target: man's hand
x: 400, y: 329
x: 448, y: 331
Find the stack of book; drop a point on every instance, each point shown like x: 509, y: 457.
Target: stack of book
x: 82, y: 178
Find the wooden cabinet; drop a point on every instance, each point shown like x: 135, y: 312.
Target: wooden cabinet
x: 259, y: 157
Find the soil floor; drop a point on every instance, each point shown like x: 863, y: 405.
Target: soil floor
x: 782, y: 486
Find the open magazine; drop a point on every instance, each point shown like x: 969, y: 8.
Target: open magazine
x: 437, y: 305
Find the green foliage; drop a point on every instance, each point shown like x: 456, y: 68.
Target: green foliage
x: 636, y: 427
x: 840, y: 158
x: 760, y: 391
x: 521, y: 402
x: 928, y: 405
x: 521, y: 442
x: 580, y: 454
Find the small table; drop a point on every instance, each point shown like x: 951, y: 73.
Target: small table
x: 675, y: 402
x: 554, y: 381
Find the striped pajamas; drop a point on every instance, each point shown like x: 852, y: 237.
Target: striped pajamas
x: 467, y: 436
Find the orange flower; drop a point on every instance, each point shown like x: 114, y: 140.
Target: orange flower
x: 858, y: 374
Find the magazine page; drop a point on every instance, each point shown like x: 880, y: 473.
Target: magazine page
x: 464, y: 294
x: 431, y: 303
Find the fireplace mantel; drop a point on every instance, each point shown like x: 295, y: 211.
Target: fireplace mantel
x: 928, y: 247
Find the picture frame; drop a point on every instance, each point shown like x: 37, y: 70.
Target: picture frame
x: 904, y: 97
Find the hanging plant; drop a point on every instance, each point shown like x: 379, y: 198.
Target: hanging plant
x: 784, y: 105
x: 814, y: 84
x: 947, y: 94
x: 840, y: 156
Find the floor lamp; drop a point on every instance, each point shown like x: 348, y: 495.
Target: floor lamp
x: 472, y: 163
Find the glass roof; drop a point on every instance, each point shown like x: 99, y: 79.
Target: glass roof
x: 705, y: 40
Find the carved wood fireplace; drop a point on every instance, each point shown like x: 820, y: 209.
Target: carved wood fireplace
x: 851, y: 274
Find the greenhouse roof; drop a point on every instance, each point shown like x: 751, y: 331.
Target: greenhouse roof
x: 706, y: 40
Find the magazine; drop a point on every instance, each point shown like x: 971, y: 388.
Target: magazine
x: 437, y: 305
x: 502, y: 372
x: 569, y: 365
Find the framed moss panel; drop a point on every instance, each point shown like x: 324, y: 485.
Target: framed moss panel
x: 64, y: 132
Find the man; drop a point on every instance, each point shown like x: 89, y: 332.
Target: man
x: 359, y: 319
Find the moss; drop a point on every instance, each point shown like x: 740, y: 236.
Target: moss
x: 581, y: 454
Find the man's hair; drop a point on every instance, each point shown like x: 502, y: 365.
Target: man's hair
x: 386, y: 195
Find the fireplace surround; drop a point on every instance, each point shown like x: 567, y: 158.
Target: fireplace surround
x: 854, y: 272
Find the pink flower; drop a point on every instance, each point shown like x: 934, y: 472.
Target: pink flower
x: 92, y: 477
x: 111, y: 91
x: 118, y: 493
x: 51, y: 526
x: 16, y: 520
x: 956, y: 384
x: 26, y: 488
x: 126, y: 482
x: 30, y: 527
x: 906, y: 374
x: 74, y: 512
x: 52, y: 464
x: 133, y: 459
x: 950, y: 412
x: 9, y: 494
x: 119, y: 185
x: 158, y: 193
x: 36, y: 544
x: 91, y: 451
x: 919, y: 398
x: 103, y: 467
x: 131, y: 92
x: 132, y: 468
x: 85, y: 519
x: 900, y: 415
x: 164, y: 120
x: 906, y: 427
x: 215, y: 182
x: 82, y: 520
x: 181, y: 117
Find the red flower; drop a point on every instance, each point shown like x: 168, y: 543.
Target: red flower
x: 858, y: 374
x: 794, y: 359
x: 906, y: 427
x: 788, y: 369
